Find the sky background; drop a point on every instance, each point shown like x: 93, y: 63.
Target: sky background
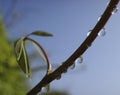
x: 69, y: 21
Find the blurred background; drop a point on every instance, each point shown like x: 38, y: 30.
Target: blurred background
x: 69, y: 21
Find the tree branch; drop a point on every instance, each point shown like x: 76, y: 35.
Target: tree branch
x: 84, y: 46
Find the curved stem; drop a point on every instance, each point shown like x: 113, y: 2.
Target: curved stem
x: 49, y: 67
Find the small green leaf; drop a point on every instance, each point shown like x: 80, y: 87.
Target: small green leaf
x: 47, y: 87
x: 17, y: 47
x: 41, y: 33
x: 22, y: 57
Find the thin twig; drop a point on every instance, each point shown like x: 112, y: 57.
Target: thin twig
x: 84, y: 46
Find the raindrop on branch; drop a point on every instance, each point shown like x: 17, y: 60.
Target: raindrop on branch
x: 79, y: 60
x: 102, y: 32
x: 99, y: 18
x: 89, y: 32
x: 73, y: 66
x: 115, y: 10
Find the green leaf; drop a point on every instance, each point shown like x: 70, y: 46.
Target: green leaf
x: 17, y: 47
x: 41, y: 33
x: 21, y: 56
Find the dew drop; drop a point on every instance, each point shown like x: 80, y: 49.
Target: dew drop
x: 99, y: 18
x: 78, y: 61
x: 102, y: 32
x: 115, y: 10
x: 89, y: 32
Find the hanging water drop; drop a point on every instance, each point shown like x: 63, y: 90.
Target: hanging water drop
x: 89, y: 32
x: 115, y: 10
x: 79, y: 60
x: 102, y: 32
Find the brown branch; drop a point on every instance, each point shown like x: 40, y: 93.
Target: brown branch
x: 84, y: 46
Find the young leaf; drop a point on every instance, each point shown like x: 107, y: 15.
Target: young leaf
x: 22, y: 57
x: 41, y: 33
x: 17, y: 47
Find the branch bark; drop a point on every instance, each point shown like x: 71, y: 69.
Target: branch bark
x: 83, y: 47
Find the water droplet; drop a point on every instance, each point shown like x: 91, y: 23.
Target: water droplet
x: 115, y: 10
x: 102, y: 32
x: 99, y: 18
x: 89, y: 32
x: 58, y: 78
x: 78, y: 61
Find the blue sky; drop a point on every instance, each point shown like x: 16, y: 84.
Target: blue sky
x: 69, y: 21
